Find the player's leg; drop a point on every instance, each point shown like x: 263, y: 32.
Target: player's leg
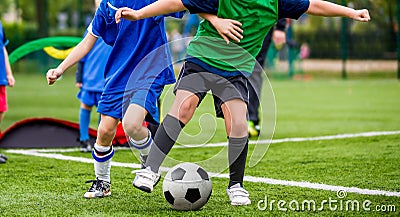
x: 140, y: 137
x: 190, y: 89
x: 255, y: 81
x: 84, y: 121
x: 88, y: 99
x: 3, y: 102
x: 230, y: 101
x: 167, y: 133
x: 255, y: 86
x: 3, y: 109
x: 102, y: 154
x: 236, y: 126
x: 181, y: 112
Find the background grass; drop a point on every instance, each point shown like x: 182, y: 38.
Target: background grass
x: 35, y: 186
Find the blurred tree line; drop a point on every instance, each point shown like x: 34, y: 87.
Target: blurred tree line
x: 377, y: 39
x: 41, y: 18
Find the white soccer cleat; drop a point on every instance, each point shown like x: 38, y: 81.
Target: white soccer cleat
x: 238, y: 195
x: 146, y: 179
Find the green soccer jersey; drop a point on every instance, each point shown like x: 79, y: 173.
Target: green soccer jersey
x: 257, y: 18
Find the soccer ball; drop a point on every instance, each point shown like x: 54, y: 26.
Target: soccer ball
x: 187, y: 186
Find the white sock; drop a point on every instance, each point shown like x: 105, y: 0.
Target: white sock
x: 102, y: 168
x: 101, y: 148
x: 142, y: 145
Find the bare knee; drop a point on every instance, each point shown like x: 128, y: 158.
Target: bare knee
x: 239, y: 128
x: 133, y: 129
x: 186, y: 110
x: 105, y: 134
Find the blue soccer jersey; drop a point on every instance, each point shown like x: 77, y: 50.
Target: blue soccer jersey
x: 3, y: 43
x: 131, y: 41
x: 94, y: 65
x: 139, y: 59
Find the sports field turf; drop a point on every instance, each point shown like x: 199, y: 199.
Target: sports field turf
x: 364, y: 168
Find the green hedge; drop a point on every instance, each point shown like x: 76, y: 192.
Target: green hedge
x: 326, y: 44
x: 19, y: 34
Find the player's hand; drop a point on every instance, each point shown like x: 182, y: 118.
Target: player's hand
x: 52, y: 75
x: 279, y: 38
x: 78, y: 85
x: 11, y: 80
x: 228, y: 29
x: 362, y: 15
x: 126, y: 13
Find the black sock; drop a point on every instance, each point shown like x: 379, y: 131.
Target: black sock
x: 237, y: 154
x: 165, y: 138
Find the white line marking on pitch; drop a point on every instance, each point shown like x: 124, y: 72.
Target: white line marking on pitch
x: 300, y: 139
x: 255, y: 142
x: 310, y: 185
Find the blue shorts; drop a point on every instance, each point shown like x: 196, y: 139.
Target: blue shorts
x: 89, y: 98
x: 115, y: 104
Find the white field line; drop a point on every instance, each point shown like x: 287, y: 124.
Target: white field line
x: 270, y: 181
x: 300, y: 139
x: 253, y: 142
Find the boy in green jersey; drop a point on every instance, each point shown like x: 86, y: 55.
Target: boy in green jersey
x: 212, y: 64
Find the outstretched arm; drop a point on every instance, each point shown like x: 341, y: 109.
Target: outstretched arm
x: 76, y: 54
x: 329, y: 9
x: 227, y: 28
x: 157, y: 8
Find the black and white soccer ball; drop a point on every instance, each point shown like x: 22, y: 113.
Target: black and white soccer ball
x: 187, y: 186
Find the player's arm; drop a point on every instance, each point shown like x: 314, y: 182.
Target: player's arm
x: 76, y: 54
x: 329, y: 9
x: 10, y: 77
x: 157, y: 8
x: 226, y: 28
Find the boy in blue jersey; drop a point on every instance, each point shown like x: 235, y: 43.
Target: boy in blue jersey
x: 134, y: 81
x: 90, y: 80
x: 6, y: 78
x: 222, y: 68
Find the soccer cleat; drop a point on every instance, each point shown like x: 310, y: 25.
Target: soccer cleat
x: 258, y: 128
x: 251, y: 128
x: 146, y: 179
x: 86, y: 146
x: 99, y: 188
x: 143, y: 159
x: 238, y: 195
x: 3, y: 159
x: 3, y: 156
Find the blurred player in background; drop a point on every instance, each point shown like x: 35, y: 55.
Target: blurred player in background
x: 278, y: 37
x: 90, y: 80
x: 6, y: 78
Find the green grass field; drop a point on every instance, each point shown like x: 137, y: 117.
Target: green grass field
x: 46, y: 186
